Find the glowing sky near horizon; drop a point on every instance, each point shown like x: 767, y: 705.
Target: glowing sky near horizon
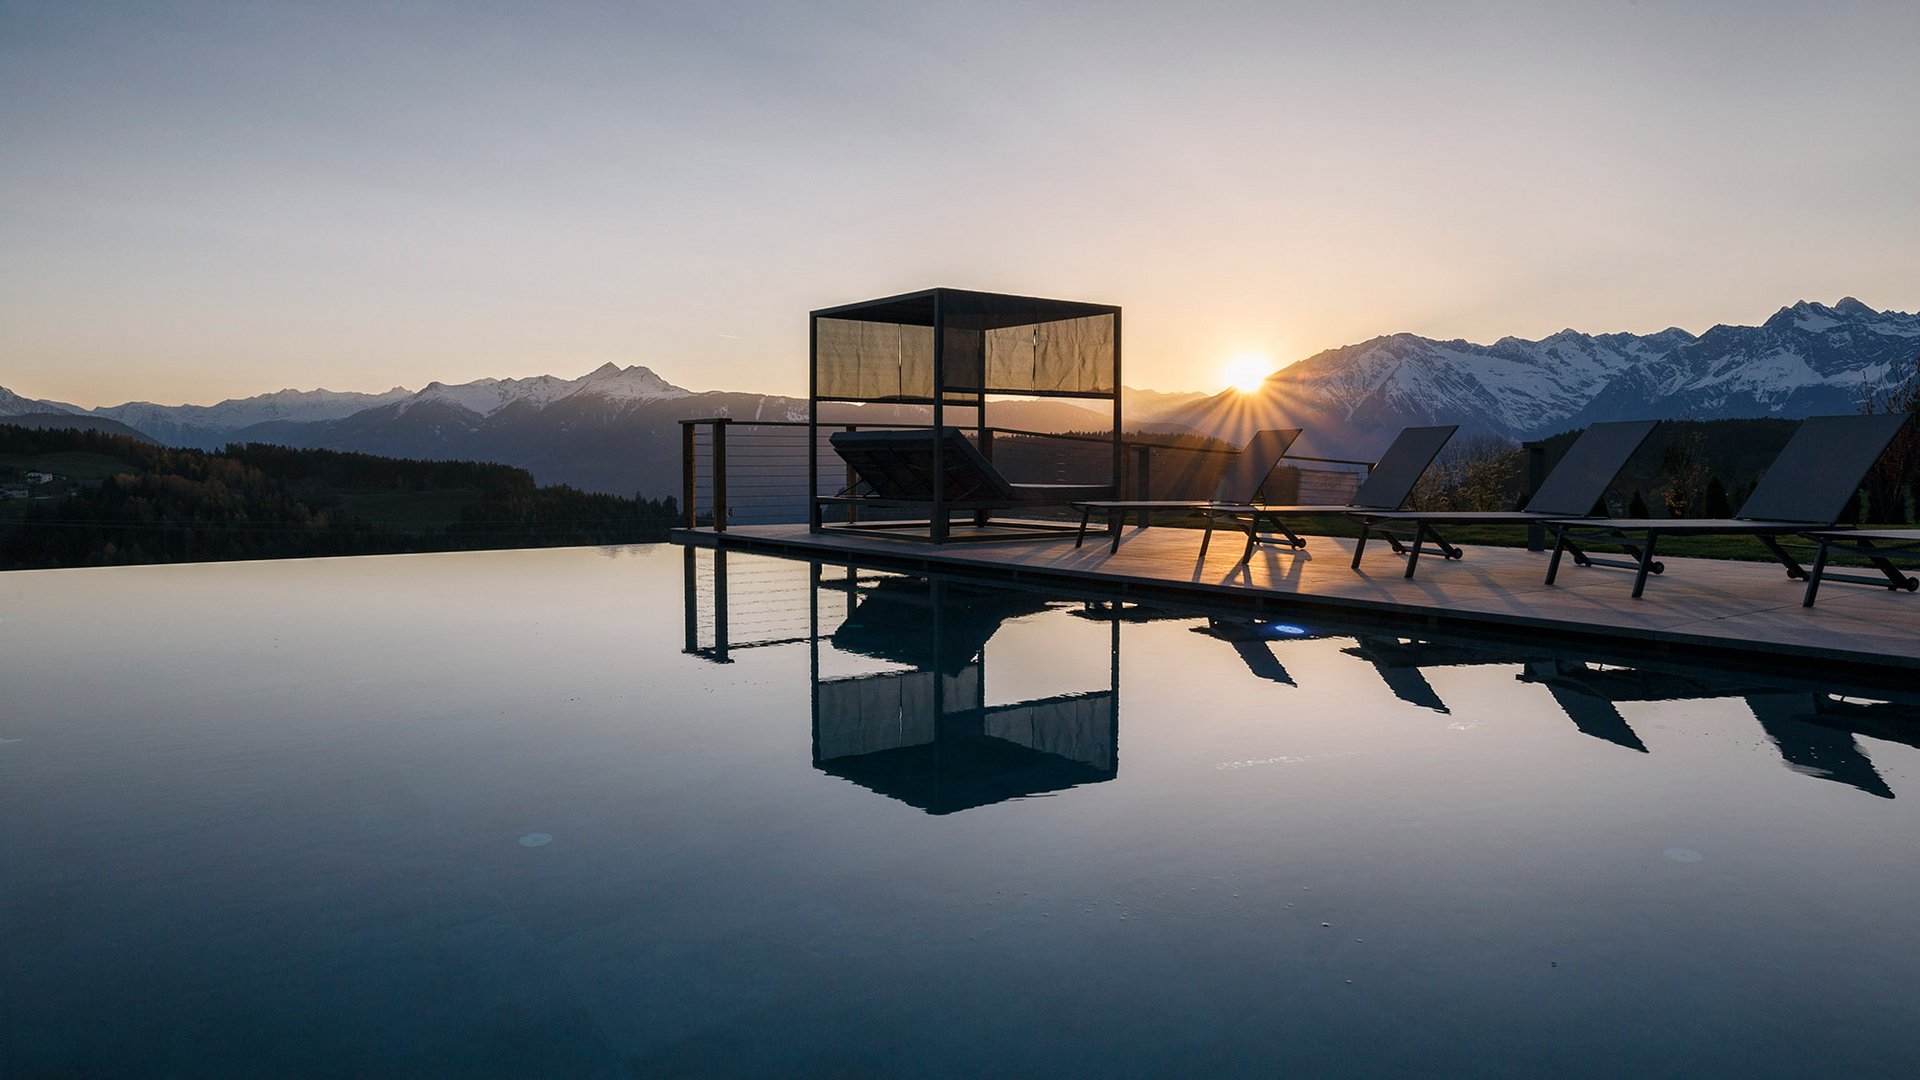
x: 204, y: 201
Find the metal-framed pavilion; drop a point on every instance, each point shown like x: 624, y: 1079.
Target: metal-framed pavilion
x: 954, y: 348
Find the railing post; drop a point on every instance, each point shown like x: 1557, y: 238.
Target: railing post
x: 1536, y: 472
x: 686, y: 472
x: 720, y: 473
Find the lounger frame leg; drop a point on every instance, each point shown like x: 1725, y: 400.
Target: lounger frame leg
x: 1646, y: 564
x: 1814, y: 575
x: 1896, y: 580
x: 1086, y: 513
x: 1254, y: 535
x: 1795, y: 571
x: 1559, y: 545
x: 1119, y: 526
x: 1207, y: 537
x: 1566, y: 539
x: 1360, y: 545
x: 1422, y: 534
x: 1891, y: 576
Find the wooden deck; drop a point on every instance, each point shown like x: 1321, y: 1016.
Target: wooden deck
x: 1725, y: 609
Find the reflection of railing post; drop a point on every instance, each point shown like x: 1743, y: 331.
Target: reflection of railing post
x: 720, y: 473
x: 686, y: 472
x: 720, y: 604
x: 1536, y: 472
x: 691, y: 604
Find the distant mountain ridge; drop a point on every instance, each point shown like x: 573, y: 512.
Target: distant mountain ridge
x: 1808, y: 359
x: 616, y: 429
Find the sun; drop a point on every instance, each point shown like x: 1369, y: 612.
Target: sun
x: 1247, y: 372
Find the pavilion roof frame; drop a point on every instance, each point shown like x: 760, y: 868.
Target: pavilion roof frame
x: 945, y: 347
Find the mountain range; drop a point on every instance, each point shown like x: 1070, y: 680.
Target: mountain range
x: 613, y: 429
x: 1808, y: 359
x: 616, y: 429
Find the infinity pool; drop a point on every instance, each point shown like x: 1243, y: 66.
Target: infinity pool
x: 640, y: 812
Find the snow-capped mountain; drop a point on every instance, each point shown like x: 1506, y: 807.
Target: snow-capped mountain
x: 246, y: 419
x: 1807, y: 359
x: 209, y: 426
x: 12, y: 404
x: 614, y: 429
x: 610, y: 383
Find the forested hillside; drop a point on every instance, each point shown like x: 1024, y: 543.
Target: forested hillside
x: 83, y: 498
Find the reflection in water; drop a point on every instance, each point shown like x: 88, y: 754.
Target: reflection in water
x: 1588, y: 695
x: 1812, y: 737
x: 1815, y: 749
x: 1399, y: 663
x: 926, y: 735
x: 1253, y: 638
x: 923, y: 732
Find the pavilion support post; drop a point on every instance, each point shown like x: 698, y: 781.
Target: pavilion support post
x: 937, y: 528
x: 813, y: 424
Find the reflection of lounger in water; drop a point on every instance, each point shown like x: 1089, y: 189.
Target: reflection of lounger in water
x: 1814, y: 748
x: 1399, y: 662
x: 1588, y: 695
x: 1812, y: 732
x: 895, y: 621
x: 1252, y: 638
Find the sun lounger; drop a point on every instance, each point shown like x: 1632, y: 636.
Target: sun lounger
x: 1569, y: 491
x: 1239, y: 486
x: 1385, y: 488
x: 1806, y: 488
x: 1878, y: 546
x: 897, y: 470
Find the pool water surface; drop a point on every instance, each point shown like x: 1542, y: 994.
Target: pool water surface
x: 651, y: 812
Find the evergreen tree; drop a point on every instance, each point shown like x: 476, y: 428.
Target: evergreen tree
x: 1714, y: 503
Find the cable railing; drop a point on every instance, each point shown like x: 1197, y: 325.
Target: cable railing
x: 754, y: 472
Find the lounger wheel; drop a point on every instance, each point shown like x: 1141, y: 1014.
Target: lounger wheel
x: 1657, y: 567
x: 1913, y: 584
x: 1455, y: 554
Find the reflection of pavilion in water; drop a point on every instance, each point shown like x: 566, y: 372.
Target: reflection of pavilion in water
x: 926, y: 735
x: 920, y: 729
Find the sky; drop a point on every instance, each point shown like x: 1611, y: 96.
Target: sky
x: 201, y: 201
